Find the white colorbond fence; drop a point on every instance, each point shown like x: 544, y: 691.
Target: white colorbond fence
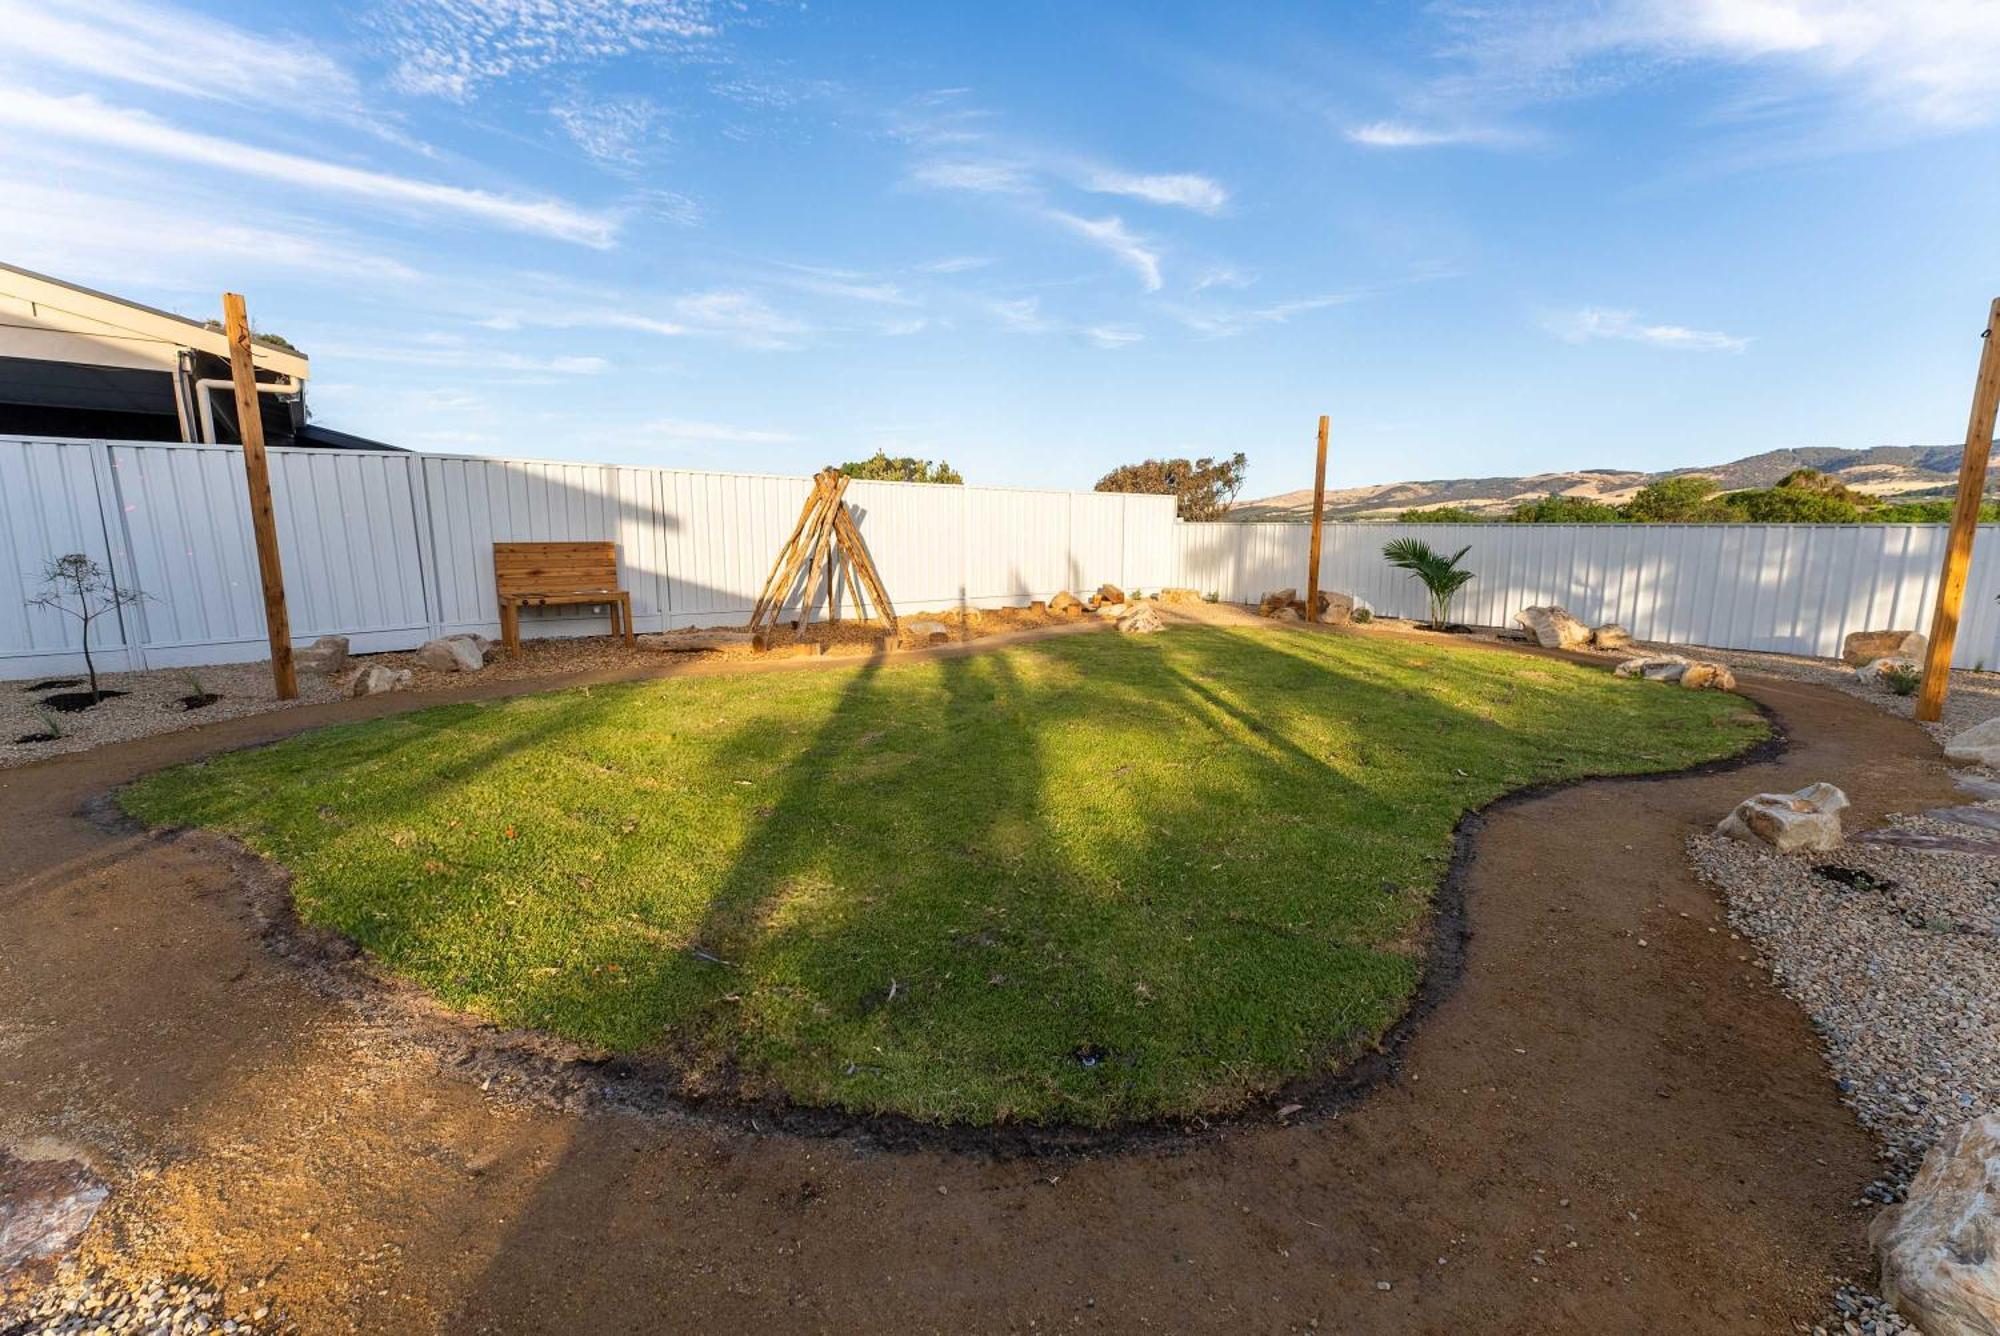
x: 392, y: 549
x: 1790, y: 588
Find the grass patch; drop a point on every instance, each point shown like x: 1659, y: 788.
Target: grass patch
x: 1091, y: 879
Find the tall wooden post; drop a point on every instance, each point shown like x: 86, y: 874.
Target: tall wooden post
x: 1964, y: 521
x: 1319, y: 507
x: 257, y: 470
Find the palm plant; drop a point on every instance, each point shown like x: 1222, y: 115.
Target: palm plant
x: 1440, y: 575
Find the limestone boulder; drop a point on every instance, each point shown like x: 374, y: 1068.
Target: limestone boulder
x: 1176, y: 594
x: 1940, y: 1248
x: 1871, y: 672
x: 1066, y: 604
x: 1335, y: 609
x: 1610, y: 636
x: 925, y: 632
x: 376, y: 680
x: 1866, y: 646
x: 452, y: 654
x: 1979, y: 745
x: 1268, y: 605
x: 1701, y: 674
x: 1807, y: 819
x: 1110, y: 593
x: 1142, y: 620
x: 1288, y: 613
x: 1553, y: 627
x: 326, y: 656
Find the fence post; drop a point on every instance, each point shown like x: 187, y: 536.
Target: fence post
x: 1964, y: 523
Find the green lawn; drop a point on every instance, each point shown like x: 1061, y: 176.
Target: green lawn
x: 1089, y: 879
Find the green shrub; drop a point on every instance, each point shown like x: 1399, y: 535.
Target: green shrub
x: 1903, y: 681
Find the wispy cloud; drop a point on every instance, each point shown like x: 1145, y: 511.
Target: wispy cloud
x: 1113, y: 336
x: 954, y: 264
x: 449, y: 48
x: 115, y: 237
x: 615, y: 131
x: 1023, y: 315
x: 714, y: 433
x: 1593, y: 323
x: 1184, y: 190
x: 1112, y: 234
x: 981, y: 176
x: 1228, y: 322
x: 169, y: 50
x: 734, y: 316
x: 1927, y: 64
x: 84, y: 118
x: 1402, y: 134
x: 447, y: 351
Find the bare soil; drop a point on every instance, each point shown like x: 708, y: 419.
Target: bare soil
x: 1612, y: 1122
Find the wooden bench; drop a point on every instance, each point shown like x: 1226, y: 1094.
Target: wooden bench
x: 539, y: 574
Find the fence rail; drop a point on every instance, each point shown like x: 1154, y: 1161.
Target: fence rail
x: 391, y: 549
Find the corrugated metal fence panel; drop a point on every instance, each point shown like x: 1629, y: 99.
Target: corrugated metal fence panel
x: 49, y: 506
x: 348, y: 538
x: 916, y: 535
x: 1793, y: 589
x: 1148, y: 554
x: 187, y: 516
x: 1020, y: 543
x: 720, y: 533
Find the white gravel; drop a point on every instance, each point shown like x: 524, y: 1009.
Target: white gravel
x: 152, y: 704
x: 1900, y: 972
x: 79, y: 1302
x: 1972, y: 699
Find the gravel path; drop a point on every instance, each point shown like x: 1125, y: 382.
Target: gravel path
x: 1893, y: 952
x: 1973, y: 699
x: 79, y: 1302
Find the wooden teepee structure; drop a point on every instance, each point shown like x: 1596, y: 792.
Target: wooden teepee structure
x: 824, y: 537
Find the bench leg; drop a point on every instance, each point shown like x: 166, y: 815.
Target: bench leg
x: 625, y: 603
x: 510, y: 628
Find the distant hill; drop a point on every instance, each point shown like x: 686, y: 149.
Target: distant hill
x: 1906, y: 472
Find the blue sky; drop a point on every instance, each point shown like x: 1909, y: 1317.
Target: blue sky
x: 1042, y: 239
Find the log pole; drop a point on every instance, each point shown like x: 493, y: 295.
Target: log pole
x: 257, y: 472
x: 1964, y: 523
x: 1319, y: 518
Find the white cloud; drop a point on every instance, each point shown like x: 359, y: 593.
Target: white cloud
x: 955, y: 264
x: 1402, y: 134
x: 445, y: 351
x: 989, y: 177
x: 1928, y: 62
x: 1114, y: 236
x: 1182, y: 189
x: 1023, y: 315
x: 735, y: 317
x: 1593, y: 323
x: 611, y: 130
x: 715, y: 433
x: 172, y: 51
x: 1113, y: 336
x: 115, y: 238
x: 1228, y: 323
x: 84, y: 118
x: 448, y: 48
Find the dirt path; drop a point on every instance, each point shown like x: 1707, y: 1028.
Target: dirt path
x: 1589, y: 1134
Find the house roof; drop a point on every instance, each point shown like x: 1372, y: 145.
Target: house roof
x: 139, y: 322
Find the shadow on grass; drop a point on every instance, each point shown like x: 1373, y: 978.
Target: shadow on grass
x: 1087, y: 881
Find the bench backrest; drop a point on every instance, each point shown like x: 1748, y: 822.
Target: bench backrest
x: 555, y: 568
